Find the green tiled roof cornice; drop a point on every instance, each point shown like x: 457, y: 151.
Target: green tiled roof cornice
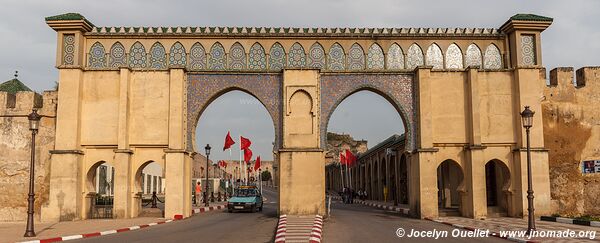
x: 69, y: 16
x: 531, y: 17
x: 13, y: 86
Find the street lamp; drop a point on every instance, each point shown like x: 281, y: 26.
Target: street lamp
x: 207, y: 149
x: 34, y: 124
x: 527, y: 118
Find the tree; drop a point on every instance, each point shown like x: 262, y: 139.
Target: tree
x: 266, y: 176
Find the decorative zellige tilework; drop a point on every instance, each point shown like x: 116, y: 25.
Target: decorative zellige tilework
x: 117, y: 56
x: 296, y: 56
x: 395, y: 57
x: 237, y: 57
x: 435, y: 57
x: 257, y: 59
x: 68, y: 49
x: 356, y: 58
x: 473, y: 58
x: 528, y: 49
x: 397, y: 88
x: 203, y: 88
x: 177, y: 55
x: 316, y: 56
x: 336, y: 58
x: 137, y: 55
x: 158, y: 56
x: 97, y: 56
x: 217, y: 59
x: 414, y: 57
x: 492, y: 58
x: 197, y: 57
x: 454, y: 57
x: 276, y: 57
x: 375, y: 58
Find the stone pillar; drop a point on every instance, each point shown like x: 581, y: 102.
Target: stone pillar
x: 302, y: 161
x: 122, y: 190
x: 66, y: 185
x: 177, y: 160
x: 529, y: 85
x: 475, y: 204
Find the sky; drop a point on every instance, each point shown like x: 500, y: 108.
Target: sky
x: 29, y: 45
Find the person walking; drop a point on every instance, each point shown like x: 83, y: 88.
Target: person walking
x: 198, y: 193
x: 365, y: 195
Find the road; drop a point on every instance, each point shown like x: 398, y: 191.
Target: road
x: 214, y: 226
x: 359, y: 223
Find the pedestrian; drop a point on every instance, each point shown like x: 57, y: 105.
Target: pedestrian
x: 359, y: 194
x: 365, y: 195
x: 198, y: 192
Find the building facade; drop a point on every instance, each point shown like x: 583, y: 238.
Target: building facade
x: 459, y: 92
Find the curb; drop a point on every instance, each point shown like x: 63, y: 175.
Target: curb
x: 88, y: 235
x: 281, y: 229
x: 206, y: 209
x: 317, y: 230
x: 570, y: 221
x: 404, y: 211
x: 494, y: 234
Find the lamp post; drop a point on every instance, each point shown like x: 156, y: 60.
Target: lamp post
x: 207, y: 149
x: 527, y: 118
x: 34, y: 123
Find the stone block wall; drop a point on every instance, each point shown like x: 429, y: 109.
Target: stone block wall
x: 571, y: 116
x: 15, y: 151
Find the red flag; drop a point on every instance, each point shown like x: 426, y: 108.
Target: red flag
x: 257, y: 163
x: 228, y: 142
x: 350, y: 157
x: 244, y: 143
x: 224, y: 163
x: 343, y: 159
x: 247, y: 155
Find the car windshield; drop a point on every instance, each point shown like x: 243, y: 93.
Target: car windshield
x: 245, y: 193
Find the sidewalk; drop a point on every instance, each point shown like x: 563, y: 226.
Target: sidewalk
x: 401, y: 208
x: 495, y: 225
x: 13, y: 231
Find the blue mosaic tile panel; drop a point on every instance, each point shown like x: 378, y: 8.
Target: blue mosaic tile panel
x: 237, y: 57
x: 336, y: 59
x: 158, y: 56
x: 296, y: 56
x: 375, y: 58
x: 117, y: 56
x: 217, y: 58
x: 356, y: 58
x: 137, y: 55
x: 257, y: 59
x: 473, y: 57
x: 177, y: 55
x: 276, y: 57
x: 316, y: 56
x: 97, y: 56
x: 395, y: 57
x: 454, y: 57
x: 197, y: 57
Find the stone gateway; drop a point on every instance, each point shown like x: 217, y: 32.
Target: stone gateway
x: 133, y: 95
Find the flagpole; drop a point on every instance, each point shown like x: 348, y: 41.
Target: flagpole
x: 240, y: 161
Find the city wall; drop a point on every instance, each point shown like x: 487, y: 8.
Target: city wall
x: 15, y: 148
x: 571, y: 118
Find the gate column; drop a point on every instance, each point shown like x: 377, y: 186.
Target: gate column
x: 302, y: 161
